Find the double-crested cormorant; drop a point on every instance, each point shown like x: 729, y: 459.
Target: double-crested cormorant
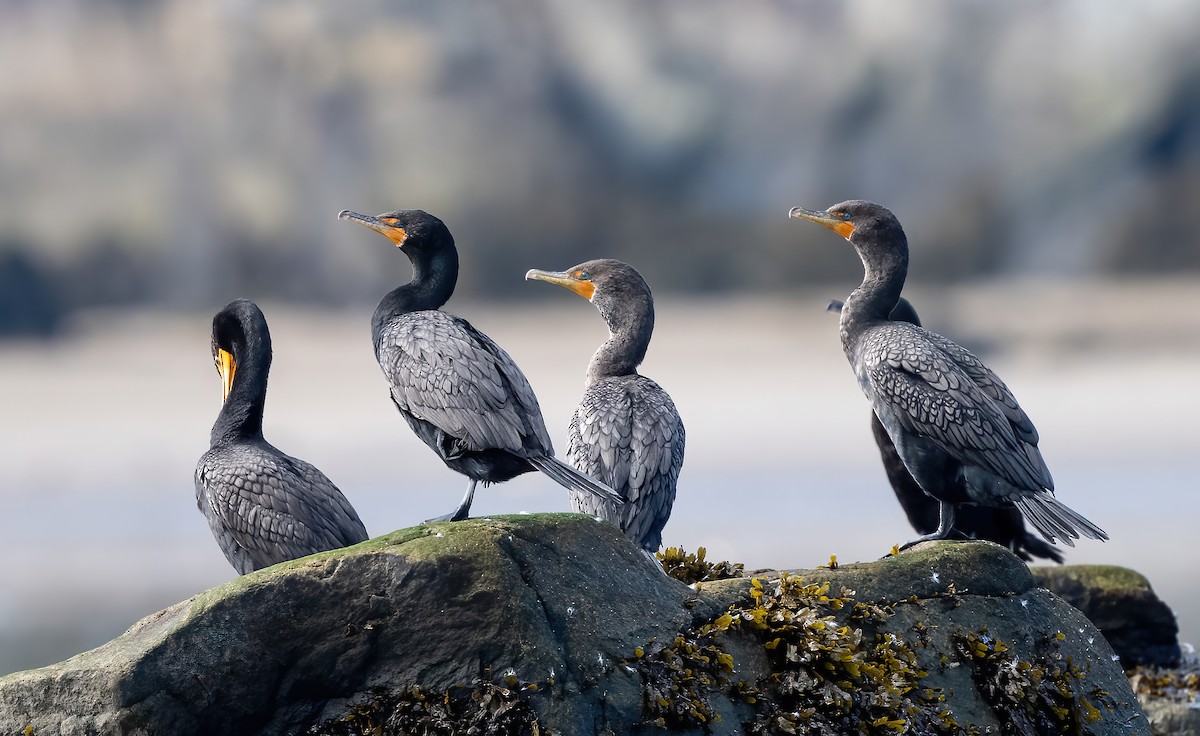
x: 459, y: 391
x: 999, y: 524
x: 938, y: 402
x: 626, y: 431
x: 263, y: 506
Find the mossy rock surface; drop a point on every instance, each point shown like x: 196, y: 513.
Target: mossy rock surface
x: 551, y: 608
x: 1140, y: 627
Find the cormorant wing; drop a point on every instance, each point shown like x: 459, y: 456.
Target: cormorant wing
x: 445, y: 372
x: 274, y: 508
x: 663, y: 441
x: 989, y: 383
x: 658, y: 440
x: 930, y: 395
x: 341, y: 521
x: 627, y: 433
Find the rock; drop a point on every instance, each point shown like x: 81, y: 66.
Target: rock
x: 558, y: 620
x: 1169, y: 718
x: 1170, y: 696
x: 1140, y: 627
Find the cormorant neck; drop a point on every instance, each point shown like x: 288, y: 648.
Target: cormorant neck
x: 629, y: 331
x: 875, y: 298
x: 432, y: 284
x: 241, y: 415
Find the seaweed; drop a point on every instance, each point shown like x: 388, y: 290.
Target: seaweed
x: 693, y: 568
x: 482, y: 709
x: 1047, y: 694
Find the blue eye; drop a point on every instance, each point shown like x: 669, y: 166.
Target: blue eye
x: 584, y: 275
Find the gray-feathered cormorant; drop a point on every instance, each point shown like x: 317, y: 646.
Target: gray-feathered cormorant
x: 459, y: 391
x: 626, y: 430
x: 1000, y: 524
x: 938, y: 402
x: 263, y: 506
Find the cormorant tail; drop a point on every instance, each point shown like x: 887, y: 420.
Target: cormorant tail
x: 569, y: 477
x: 1055, y: 520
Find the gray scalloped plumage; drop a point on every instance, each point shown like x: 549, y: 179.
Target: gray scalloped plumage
x: 461, y: 393
x: 626, y: 430
x: 263, y: 506
x: 938, y: 402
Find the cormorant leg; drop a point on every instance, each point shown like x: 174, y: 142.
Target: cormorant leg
x: 945, y: 524
x: 945, y: 520
x: 463, y: 509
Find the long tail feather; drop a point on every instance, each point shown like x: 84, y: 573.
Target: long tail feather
x: 569, y: 477
x: 1056, y: 521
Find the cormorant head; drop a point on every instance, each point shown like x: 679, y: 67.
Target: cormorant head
x: 602, y: 281
x: 413, y: 231
x: 235, y: 328
x: 615, y: 287
x: 871, y: 228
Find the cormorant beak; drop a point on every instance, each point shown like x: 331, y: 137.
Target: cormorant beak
x: 845, y: 228
x: 226, y: 366
x: 834, y: 306
x: 385, y: 226
x: 582, y: 287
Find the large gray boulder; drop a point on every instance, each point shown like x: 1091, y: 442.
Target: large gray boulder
x: 557, y: 620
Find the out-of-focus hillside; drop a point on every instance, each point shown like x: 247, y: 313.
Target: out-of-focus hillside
x: 184, y: 152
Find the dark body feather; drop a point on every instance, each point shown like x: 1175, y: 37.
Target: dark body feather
x: 626, y: 431
x: 937, y: 402
x: 263, y: 506
x: 1000, y: 524
x: 456, y: 388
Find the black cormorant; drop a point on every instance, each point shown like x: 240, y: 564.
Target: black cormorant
x: 263, y: 506
x: 999, y: 524
x: 459, y: 391
x: 626, y: 430
x: 938, y: 402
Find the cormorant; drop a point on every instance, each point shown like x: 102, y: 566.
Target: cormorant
x: 938, y: 402
x: 1000, y: 524
x: 263, y: 506
x: 626, y: 430
x: 459, y: 391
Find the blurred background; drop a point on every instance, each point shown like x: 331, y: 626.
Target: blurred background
x: 159, y: 158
